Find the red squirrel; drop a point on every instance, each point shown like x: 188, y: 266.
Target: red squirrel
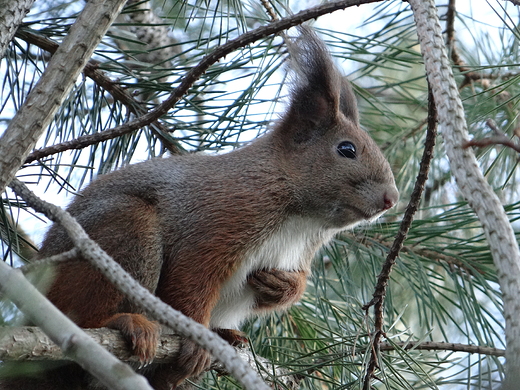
x: 223, y: 238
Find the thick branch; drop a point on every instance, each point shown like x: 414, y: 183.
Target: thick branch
x: 43, y: 101
x: 31, y: 344
x: 65, y: 333
x: 12, y: 13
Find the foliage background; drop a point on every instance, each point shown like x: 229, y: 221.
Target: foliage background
x: 443, y: 287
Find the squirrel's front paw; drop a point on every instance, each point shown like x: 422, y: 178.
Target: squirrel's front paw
x: 277, y: 288
x: 234, y: 337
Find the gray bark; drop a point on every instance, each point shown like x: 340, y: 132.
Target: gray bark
x: 12, y: 13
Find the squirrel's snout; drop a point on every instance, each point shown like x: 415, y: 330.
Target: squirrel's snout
x: 390, y: 198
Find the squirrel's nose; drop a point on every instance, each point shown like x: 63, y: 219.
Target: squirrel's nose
x: 390, y: 198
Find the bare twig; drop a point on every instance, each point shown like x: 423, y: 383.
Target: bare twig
x: 469, y: 75
x: 383, y: 278
x: 71, y: 255
x: 500, y: 138
x: 269, y: 10
x: 439, y: 346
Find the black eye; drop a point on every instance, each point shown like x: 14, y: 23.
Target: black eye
x: 347, y: 149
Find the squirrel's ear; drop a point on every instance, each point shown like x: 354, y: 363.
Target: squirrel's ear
x: 317, y: 91
x: 348, y: 102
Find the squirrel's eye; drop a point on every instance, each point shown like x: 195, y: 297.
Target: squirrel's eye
x: 347, y: 149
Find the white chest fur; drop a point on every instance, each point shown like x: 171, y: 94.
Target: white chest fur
x: 290, y: 248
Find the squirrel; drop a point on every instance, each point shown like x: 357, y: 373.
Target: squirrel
x: 226, y: 237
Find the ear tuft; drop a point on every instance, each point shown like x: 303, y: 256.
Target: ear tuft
x: 318, y: 90
x: 348, y: 102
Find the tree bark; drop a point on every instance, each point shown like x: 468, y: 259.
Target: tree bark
x: 12, y: 13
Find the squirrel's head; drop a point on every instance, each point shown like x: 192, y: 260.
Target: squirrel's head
x: 341, y: 176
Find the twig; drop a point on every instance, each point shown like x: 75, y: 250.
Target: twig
x: 439, y: 346
x: 469, y: 75
x: 194, y: 74
x: 383, y: 278
x: 500, y: 138
x: 71, y: 255
x: 269, y: 10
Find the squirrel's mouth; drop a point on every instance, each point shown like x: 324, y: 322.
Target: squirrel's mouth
x: 354, y: 215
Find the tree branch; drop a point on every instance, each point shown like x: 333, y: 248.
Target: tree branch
x: 92, y: 71
x: 19, y: 344
x: 12, y: 13
x: 65, y: 333
x: 31, y: 344
x: 469, y: 75
x: 383, y: 278
x: 439, y: 346
x: 500, y: 138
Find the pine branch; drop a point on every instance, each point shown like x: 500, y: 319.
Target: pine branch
x: 65, y: 333
x: 194, y: 74
x: 43, y: 101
